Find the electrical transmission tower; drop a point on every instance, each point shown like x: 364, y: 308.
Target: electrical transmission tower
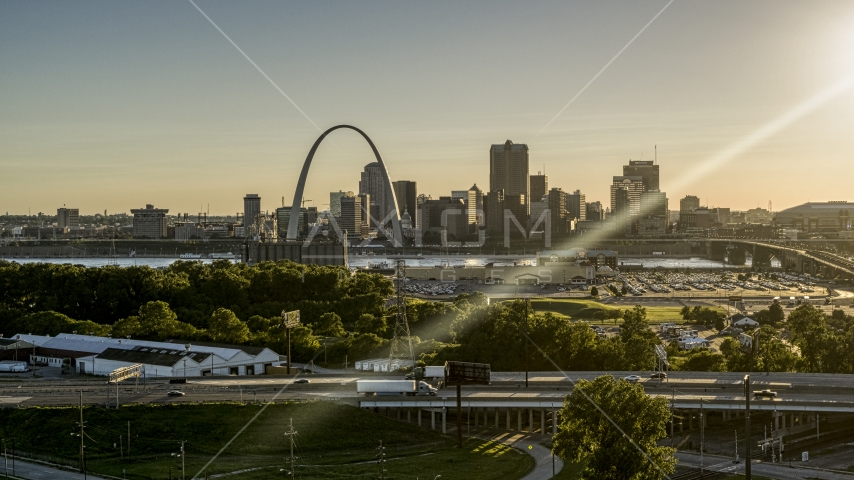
x: 400, y: 353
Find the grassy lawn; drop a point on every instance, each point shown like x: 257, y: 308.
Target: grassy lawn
x: 331, y: 441
x: 586, y: 309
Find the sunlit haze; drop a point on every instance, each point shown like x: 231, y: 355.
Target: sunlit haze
x: 112, y: 106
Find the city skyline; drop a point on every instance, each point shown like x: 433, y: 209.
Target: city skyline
x: 728, y: 92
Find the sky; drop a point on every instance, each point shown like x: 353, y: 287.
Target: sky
x: 114, y: 105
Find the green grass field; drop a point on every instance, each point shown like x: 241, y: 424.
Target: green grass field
x: 332, y: 441
x: 586, y: 309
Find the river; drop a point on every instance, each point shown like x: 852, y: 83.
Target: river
x: 362, y: 261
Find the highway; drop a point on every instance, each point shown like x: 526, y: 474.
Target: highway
x: 721, y: 391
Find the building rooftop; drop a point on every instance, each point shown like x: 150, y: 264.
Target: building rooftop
x: 151, y: 356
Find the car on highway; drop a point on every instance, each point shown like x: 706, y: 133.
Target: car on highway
x: 764, y: 393
x: 301, y: 380
x: 175, y: 393
x: 632, y: 378
x: 658, y: 375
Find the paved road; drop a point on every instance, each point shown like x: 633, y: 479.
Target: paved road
x: 36, y: 471
x: 770, y: 470
x: 541, y: 454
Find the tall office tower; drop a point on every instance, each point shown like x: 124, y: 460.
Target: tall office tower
x: 621, y: 209
x: 335, y: 201
x: 557, y: 206
x: 474, y: 208
x: 283, y: 217
x: 520, y: 207
x: 655, y: 214
x: 369, y: 209
x: 67, y: 217
x: 654, y: 204
x: 576, y: 205
x: 539, y: 187
x: 493, y: 203
x: 351, y: 217
x: 407, y: 198
x: 689, y: 204
x: 633, y: 187
x: 419, y: 200
x: 251, y: 208
x: 595, y: 211
x: 455, y: 224
x: 646, y: 169
x: 373, y: 184
x: 508, y: 170
x: 149, y: 222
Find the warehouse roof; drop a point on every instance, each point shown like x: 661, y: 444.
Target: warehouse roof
x: 151, y: 356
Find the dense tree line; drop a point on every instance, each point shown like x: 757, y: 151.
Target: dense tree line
x: 220, y: 301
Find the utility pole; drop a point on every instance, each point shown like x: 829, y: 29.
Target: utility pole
x: 747, y: 393
x: 381, y: 459
x: 183, y: 463
x: 290, y: 434
x: 527, y: 304
x: 702, y: 435
x: 82, y: 453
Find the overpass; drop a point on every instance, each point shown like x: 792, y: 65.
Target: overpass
x: 803, y: 260
x: 801, y: 401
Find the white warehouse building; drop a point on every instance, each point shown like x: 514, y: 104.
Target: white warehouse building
x: 102, y: 355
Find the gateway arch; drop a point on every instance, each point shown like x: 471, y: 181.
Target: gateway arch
x: 391, y: 200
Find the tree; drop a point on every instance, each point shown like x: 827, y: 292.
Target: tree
x: 159, y: 322
x: 810, y: 335
x: 594, y: 292
x: 720, y: 324
x: 329, y: 325
x: 634, y: 323
x: 702, y: 360
x: 624, y: 290
x: 225, y: 327
x: 368, y: 323
x: 611, y: 427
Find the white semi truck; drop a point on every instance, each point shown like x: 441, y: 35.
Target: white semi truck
x: 393, y: 387
x: 420, y: 373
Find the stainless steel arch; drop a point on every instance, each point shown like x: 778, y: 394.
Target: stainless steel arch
x: 293, y: 222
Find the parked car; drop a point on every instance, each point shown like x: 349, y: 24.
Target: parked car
x: 632, y: 378
x: 175, y: 393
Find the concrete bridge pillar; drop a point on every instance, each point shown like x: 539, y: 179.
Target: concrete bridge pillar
x: 475, y: 415
x: 543, y: 421
x: 496, y: 417
x: 690, y: 420
x: 508, y: 419
x: 419, y: 417
x: 444, y: 421
x: 408, y: 415
x: 519, y: 419
x: 433, y: 419
x: 530, y: 420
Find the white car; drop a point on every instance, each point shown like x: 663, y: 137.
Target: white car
x: 632, y: 378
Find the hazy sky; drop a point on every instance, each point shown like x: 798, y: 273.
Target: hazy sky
x: 112, y: 105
